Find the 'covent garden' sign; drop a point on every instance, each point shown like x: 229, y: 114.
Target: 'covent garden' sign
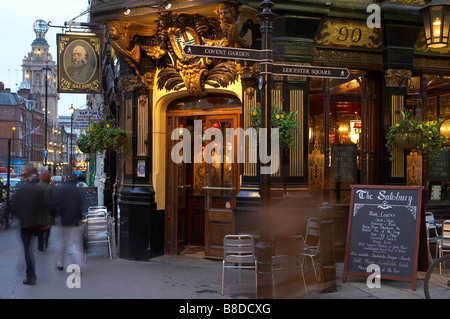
x: 163, y: 47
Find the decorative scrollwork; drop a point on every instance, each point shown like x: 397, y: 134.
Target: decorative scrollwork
x: 164, y: 44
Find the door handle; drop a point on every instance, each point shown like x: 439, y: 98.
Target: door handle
x: 184, y: 186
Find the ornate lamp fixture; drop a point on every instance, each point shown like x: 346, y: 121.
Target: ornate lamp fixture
x: 436, y: 21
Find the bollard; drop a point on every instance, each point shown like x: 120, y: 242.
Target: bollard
x: 327, y: 257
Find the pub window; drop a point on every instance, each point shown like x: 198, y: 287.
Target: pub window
x: 438, y: 106
x: 344, y: 131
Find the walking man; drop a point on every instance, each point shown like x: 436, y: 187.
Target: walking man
x: 26, y: 205
x: 67, y: 203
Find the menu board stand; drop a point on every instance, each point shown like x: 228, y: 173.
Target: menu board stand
x: 384, y: 229
x: 89, y: 196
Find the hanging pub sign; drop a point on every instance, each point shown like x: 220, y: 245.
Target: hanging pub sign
x: 79, y: 64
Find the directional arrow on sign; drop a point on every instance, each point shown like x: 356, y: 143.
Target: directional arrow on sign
x: 223, y: 52
x: 310, y: 71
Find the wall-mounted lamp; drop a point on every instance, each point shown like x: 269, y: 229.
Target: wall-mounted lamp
x: 436, y: 21
x: 355, y: 130
x: 164, y: 4
x: 445, y: 129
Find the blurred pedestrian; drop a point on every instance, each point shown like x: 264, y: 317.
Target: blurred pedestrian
x: 26, y: 204
x: 46, y: 219
x: 81, y: 181
x: 67, y: 203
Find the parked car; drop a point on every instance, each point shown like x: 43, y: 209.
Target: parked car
x: 57, y: 180
x: 14, y: 182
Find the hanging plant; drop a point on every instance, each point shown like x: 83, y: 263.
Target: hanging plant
x: 101, y: 136
x: 411, y: 133
x: 285, y: 122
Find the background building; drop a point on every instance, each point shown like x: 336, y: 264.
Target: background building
x: 39, y: 78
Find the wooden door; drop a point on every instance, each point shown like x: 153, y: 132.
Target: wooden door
x: 221, y: 184
x: 176, y: 208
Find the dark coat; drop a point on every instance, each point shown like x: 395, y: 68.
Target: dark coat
x: 67, y: 203
x: 27, y: 202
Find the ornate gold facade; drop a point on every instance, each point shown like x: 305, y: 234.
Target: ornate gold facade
x: 163, y: 44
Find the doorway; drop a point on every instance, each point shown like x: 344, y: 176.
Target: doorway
x: 200, y: 191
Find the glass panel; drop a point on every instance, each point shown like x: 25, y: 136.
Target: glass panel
x: 220, y: 170
x: 344, y: 128
x: 181, y: 167
x: 221, y: 167
x: 205, y: 104
x: 142, y: 126
x: 128, y: 165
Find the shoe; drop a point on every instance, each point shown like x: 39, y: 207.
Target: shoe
x: 59, y: 267
x: 29, y: 282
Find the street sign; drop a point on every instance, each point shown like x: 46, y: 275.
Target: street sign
x: 257, y: 55
x: 81, y: 118
x: 223, y: 52
x: 45, y: 153
x: 310, y: 71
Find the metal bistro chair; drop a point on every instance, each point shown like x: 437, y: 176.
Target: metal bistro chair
x: 432, y: 234
x: 93, y: 210
x: 97, y: 231
x: 288, y: 259
x: 444, y: 241
x: 429, y: 220
x: 312, y: 241
x: 239, y: 253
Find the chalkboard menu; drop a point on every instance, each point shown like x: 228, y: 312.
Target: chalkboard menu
x: 439, y: 167
x: 383, y: 229
x: 343, y: 162
x: 90, y: 198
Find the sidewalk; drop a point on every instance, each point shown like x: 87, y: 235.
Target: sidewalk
x: 165, y: 277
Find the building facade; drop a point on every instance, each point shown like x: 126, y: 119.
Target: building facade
x: 162, y: 95
x: 39, y: 80
x: 21, y: 118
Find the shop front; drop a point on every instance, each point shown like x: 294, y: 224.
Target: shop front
x: 170, y: 101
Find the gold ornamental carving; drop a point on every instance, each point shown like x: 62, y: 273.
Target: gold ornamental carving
x: 340, y: 33
x: 414, y: 169
x: 235, y: 23
x: 394, y: 77
x: 120, y: 35
x: 316, y: 177
x: 163, y: 44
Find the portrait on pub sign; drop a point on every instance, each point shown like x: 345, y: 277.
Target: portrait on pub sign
x: 78, y: 64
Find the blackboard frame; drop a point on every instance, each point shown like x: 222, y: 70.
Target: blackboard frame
x: 336, y: 162
x: 415, y: 239
x: 85, y: 190
x: 434, y: 176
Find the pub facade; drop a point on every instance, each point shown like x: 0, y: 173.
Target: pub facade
x: 167, y: 197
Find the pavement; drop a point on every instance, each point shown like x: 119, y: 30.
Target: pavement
x: 184, y: 277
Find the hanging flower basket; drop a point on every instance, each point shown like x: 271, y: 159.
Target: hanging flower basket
x: 411, y: 133
x: 408, y: 140
x: 285, y: 122
x: 101, y: 136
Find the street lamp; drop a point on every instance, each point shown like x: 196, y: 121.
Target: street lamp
x: 436, y: 21
x: 13, y: 128
x: 266, y: 18
x: 72, y: 110
x: 46, y: 72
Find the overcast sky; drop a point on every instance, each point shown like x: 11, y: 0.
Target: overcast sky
x: 16, y: 36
